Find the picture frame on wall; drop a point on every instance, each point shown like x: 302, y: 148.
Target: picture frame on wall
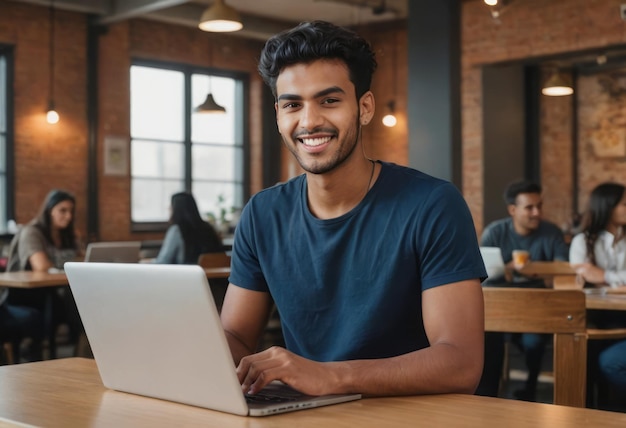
x: 116, y: 155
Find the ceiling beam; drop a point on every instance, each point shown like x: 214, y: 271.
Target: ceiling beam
x: 98, y: 7
x: 126, y: 9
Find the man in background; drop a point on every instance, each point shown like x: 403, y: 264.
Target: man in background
x: 524, y: 229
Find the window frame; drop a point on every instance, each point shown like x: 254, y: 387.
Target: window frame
x: 243, y: 112
x: 7, y: 52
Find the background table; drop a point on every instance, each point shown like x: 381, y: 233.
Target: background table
x: 27, y: 279
x: 68, y: 392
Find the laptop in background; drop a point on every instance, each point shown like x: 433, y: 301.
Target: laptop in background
x: 113, y: 252
x: 494, y: 264
x: 155, y: 331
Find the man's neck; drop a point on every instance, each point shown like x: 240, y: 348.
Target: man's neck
x: 335, y: 193
x: 522, y: 231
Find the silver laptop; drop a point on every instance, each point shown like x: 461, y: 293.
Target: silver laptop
x: 113, y: 252
x: 154, y: 330
x: 494, y: 264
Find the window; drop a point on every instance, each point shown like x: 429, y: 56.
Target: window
x: 6, y: 201
x: 174, y: 149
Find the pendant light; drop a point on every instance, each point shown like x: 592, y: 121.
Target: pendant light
x: 51, y: 116
x: 557, y: 85
x: 210, y: 105
x: 220, y: 18
x: 390, y: 119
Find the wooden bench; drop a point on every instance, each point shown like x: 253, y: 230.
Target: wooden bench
x: 557, y: 312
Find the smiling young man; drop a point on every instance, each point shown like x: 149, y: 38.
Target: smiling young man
x: 524, y: 229
x: 374, y: 268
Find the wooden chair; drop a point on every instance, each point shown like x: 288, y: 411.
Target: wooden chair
x: 210, y: 260
x: 218, y: 286
x: 559, y: 312
x: 7, y: 347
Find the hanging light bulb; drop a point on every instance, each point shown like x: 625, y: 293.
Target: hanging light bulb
x: 52, y: 116
x: 390, y: 118
x: 558, y: 84
x: 220, y: 18
x: 209, y: 105
x: 491, y: 2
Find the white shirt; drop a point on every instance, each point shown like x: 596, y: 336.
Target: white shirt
x: 611, y: 258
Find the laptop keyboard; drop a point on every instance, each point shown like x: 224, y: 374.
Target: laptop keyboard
x: 275, y: 393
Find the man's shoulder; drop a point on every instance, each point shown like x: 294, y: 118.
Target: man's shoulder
x: 418, y: 183
x: 498, y: 225
x: 548, y: 228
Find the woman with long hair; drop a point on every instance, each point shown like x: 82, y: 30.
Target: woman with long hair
x: 599, y: 256
x: 49, y: 240
x: 45, y: 243
x: 599, y: 253
x: 188, y: 235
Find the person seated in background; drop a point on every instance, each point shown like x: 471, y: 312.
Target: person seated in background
x: 374, y: 267
x: 598, y: 254
x: 49, y: 240
x: 20, y: 322
x: 188, y: 235
x: 45, y: 244
x: 524, y: 229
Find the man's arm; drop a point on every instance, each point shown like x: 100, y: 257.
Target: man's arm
x: 244, y: 317
x: 454, y: 323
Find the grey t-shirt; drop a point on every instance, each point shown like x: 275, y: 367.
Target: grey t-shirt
x: 546, y: 243
x: 30, y: 240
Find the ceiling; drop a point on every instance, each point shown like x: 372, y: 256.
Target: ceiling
x: 261, y: 18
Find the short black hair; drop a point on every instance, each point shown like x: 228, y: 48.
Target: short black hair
x: 310, y: 41
x: 514, y: 189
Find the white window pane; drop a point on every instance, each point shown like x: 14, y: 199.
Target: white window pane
x: 3, y: 94
x: 151, y: 199
x: 157, y: 103
x: 213, y: 128
x: 213, y: 162
x: 212, y: 197
x: 3, y: 153
x: 3, y: 197
x: 152, y: 159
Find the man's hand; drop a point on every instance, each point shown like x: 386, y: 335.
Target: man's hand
x: 276, y: 363
x: 590, y: 272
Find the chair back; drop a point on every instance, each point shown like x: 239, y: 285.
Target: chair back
x: 558, y: 312
x: 212, y: 260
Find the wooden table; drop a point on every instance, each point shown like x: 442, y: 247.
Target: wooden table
x: 547, y: 269
x: 217, y: 272
x: 608, y: 301
x: 68, y: 392
x: 27, y: 279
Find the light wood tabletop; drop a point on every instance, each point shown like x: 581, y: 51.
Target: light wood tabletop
x: 217, y: 272
x: 606, y: 300
x: 28, y: 279
x: 68, y: 392
x: 547, y: 269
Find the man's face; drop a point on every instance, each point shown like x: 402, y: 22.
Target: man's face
x: 526, y: 212
x: 317, y: 113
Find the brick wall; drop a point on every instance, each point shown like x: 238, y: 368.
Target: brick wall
x: 47, y: 156
x: 56, y: 155
x: 527, y: 29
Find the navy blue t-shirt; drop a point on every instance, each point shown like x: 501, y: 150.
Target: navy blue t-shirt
x: 350, y: 287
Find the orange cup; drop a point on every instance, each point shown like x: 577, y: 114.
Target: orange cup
x: 520, y: 258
